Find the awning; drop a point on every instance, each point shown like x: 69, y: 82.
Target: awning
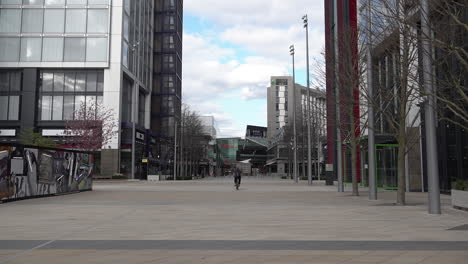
x: 247, y: 161
x: 270, y: 163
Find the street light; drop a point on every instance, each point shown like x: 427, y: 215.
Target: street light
x: 292, y: 52
x: 309, y: 150
x: 134, y: 109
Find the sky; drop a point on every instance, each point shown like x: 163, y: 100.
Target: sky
x: 231, y: 48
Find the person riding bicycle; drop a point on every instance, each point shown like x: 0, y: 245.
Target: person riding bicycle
x: 237, y: 176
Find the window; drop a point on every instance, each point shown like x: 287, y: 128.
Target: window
x: 54, y: 20
x: 52, y: 49
x: 10, y: 49
x: 10, y: 20
x: 31, y: 49
x: 63, y: 93
x: 74, y: 49
x: 169, y: 23
x: 126, y: 27
x: 76, y: 21
x: 168, y: 84
x: 168, y: 62
x: 97, y: 20
x: 32, y: 20
x: 125, y: 54
x: 96, y: 49
x: 168, y: 42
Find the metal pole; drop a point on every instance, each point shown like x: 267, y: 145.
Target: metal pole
x: 134, y: 102
x: 430, y: 119
x: 370, y: 133
x: 175, y: 151
x: 309, y: 150
x: 296, y: 178
x: 339, y: 162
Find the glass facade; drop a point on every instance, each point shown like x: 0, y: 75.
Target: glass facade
x: 167, y: 85
x: 62, y: 93
x: 137, y: 39
x: 54, y: 30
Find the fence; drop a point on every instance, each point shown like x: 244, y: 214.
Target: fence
x: 28, y: 172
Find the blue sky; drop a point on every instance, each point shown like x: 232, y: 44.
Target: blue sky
x: 231, y: 48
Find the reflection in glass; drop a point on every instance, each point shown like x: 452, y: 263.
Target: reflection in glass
x: 69, y: 82
x: 58, y: 81
x: 31, y: 49
x: 57, y: 113
x: 46, y: 103
x: 47, y: 82
x: 79, y: 105
x: 54, y: 2
x: 68, y: 103
x: 80, y: 82
x: 91, y: 82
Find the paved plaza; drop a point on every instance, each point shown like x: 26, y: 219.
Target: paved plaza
x: 207, y: 221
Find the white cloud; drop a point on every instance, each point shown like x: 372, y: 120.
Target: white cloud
x: 264, y: 28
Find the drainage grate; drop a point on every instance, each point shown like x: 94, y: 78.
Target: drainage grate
x: 462, y: 227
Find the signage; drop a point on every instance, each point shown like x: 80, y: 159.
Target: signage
x: 140, y: 136
x: 144, y: 160
x: 7, y: 132
x: 329, y: 167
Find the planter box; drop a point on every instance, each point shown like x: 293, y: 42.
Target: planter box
x: 460, y: 199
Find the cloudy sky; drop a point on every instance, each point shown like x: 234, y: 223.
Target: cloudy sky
x: 231, y: 48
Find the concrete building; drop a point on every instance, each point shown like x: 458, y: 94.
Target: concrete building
x: 208, y: 163
x: 280, y: 103
x: 59, y: 54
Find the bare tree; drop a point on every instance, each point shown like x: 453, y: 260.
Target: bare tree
x: 93, y: 126
x: 192, y: 143
x: 449, y: 22
x: 396, y: 85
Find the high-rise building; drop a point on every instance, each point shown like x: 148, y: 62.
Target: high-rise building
x: 167, y: 92
x: 56, y: 55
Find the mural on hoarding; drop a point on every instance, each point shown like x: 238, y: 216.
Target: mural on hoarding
x: 26, y: 172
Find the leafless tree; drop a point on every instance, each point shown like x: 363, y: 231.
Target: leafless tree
x: 93, y: 126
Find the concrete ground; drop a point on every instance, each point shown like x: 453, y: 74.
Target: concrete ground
x: 207, y: 221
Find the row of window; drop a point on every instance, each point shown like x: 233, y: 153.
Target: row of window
x: 71, y: 81
x: 54, y: 20
x: 54, y: 2
x: 59, y: 107
x: 33, y: 49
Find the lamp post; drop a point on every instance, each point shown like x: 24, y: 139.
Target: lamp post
x: 430, y: 118
x: 309, y: 150
x: 370, y: 133
x: 292, y: 52
x: 134, y: 105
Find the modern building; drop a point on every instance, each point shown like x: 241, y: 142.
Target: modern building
x: 166, y: 96
x: 57, y: 55
x: 387, y: 54
x: 253, y: 149
x: 280, y: 102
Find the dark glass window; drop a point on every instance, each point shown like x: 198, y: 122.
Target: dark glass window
x: 168, y: 62
x: 169, y: 22
x: 141, y: 109
x: 64, y: 92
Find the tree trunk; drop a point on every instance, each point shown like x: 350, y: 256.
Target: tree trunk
x: 401, y: 193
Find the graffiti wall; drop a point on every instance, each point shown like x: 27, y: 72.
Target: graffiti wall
x: 29, y: 172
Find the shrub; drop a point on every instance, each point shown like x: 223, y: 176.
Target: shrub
x: 461, y: 185
x: 118, y: 176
